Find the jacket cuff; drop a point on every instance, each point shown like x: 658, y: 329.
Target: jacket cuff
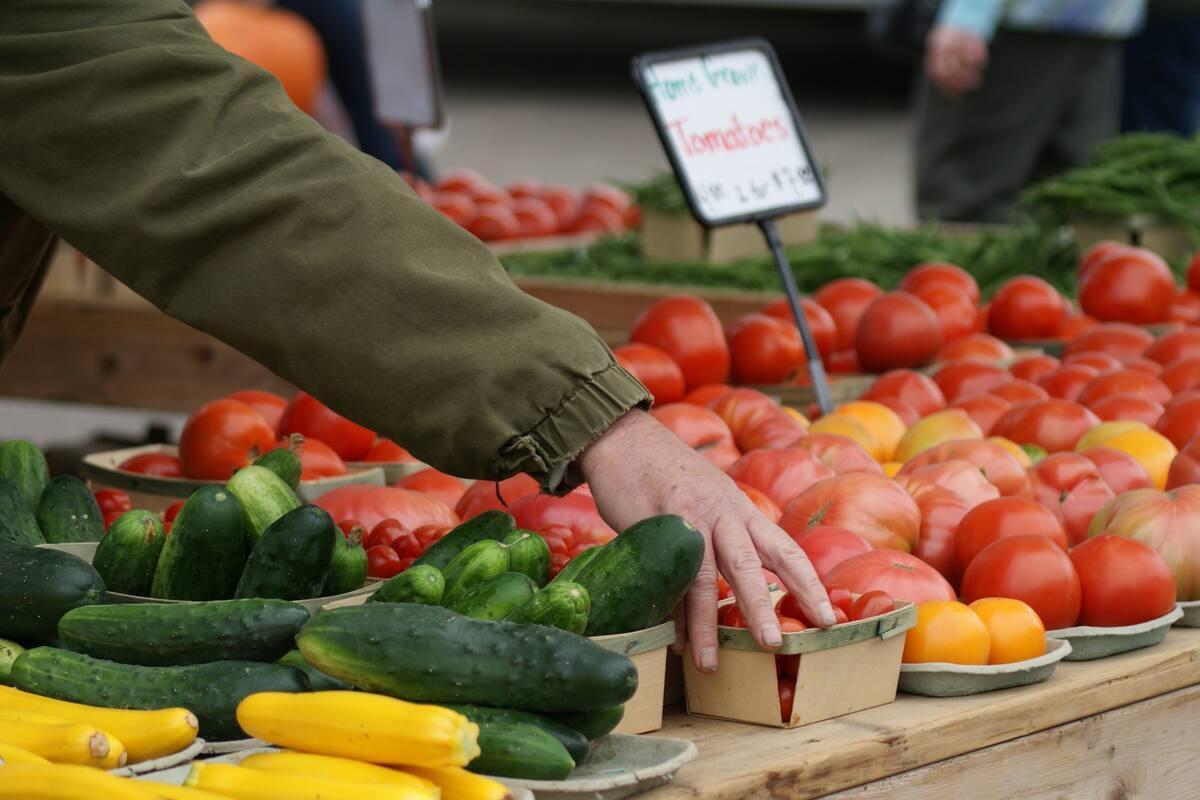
x: 547, y: 451
x: 979, y: 17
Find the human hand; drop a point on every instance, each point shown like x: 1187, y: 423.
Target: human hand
x: 638, y: 469
x: 954, y: 59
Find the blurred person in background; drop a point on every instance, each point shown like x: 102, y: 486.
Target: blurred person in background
x: 1162, y: 71
x: 1012, y: 91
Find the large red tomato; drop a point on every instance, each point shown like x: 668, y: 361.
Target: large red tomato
x: 1193, y: 273
x: 843, y: 362
x: 371, y: 505
x: 1032, y: 368
x: 307, y: 415
x: 1175, y: 345
x: 1026, y: 307
x: 1053, y: 425
x: 1123, y: 582
x: 1101, y: 362
x: 656, y: 370
x: 1000, y: 519
x: 961, y: 477
x: 1068, y: 381
x: 385, y: 450
x: 764, y: 349
x: 1124, y: 381
x: 901, y: 575
x: 221, y: 437
x: 984, y: 410
x: 1127, y: 406
x: 484, y: 496
x: 576, y: 512
x: 941, y: 512
x: 708, y: 396
x: 1132, y: 286
x: 955, y: 311
x: 317, y: 459
x: 959, y: 380
x: 1182, y: 375
x: 1071, y: 486
x: 912, y: 387
x: 780, y: 474
x: 840, y: 453
x: 1033, y: 569
x: 702, y: 430
x: 741, y: 409
x: 940, y: 273
x: 160, y: 465
x: 1120, y: 340
x: 997, y: 464
x: 688, y: 330
x: 1167, y: 521
x: 980, y: 346
x: 897, y: 330
x: 1075, y: 324
x: 775, y: 429
x: 820, y: 323
x: 1180, y: 422
x: 876, y: 508
x: 1185, y: 467
x: 904, y: 411
x: 269, y: 404
x: 1121, y: 471
x: 1185, y: 307
x: 1097, y: 254
x: 827, y: 547
x: 438, y: 485
x: 846, y: 299
x: 1019, y: 391
x: 763, y: 503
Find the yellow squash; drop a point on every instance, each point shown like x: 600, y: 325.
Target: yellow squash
x: 251, y: 784
x: 358, y: 725
x: 163, y: 791
x: 62, y: 744
x: 458, y: 784
x: 10, y: 754
x: 116, y: 750
x: 342, y: 769
x: 60, y: 782
x: 145, y: 734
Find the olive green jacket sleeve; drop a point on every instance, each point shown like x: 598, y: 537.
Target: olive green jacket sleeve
x: 186, y: 173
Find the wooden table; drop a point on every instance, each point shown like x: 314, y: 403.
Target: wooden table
x: 1122, y: 727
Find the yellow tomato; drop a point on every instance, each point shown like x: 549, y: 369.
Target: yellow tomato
x: 803, y: 420
x: 1016, y: 631
x: 1017, y: 451
x: 947, y: 632
x: 1106, y: 430
x: 943, y: 426
x: 1150, y: 449
x: 880, y: 420
x: 851, y: 429
x: 891, y: 468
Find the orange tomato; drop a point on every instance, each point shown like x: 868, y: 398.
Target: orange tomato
x: 944, y: 426
x: 880, y: 420
x: 947, y: 632
x: 851, y: 428
x: 1016, y: 631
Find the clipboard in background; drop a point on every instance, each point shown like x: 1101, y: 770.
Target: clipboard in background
x: 403, y: 59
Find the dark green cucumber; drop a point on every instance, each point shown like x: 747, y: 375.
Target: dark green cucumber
x: 471, y: 567
x: 317, y: 681
x: 128, y: 554
x: 571, y: 571
x: 427, y: 654
x: 8, y: 654
x: 348, y: 567
x: 493, y: 525
x: 23, y: 464
x: 517, y: 750
x: 562, y: 604
x: 496, y: 598
x: 203, y: 557
x: 264, y: 498
x: 640, y: 576
x: 210, y: 691
x: 575, y: 742
x: 529, y: 554
x: 68, y: 512
x: 592, y: 724
x: 420, y: 583
x: 291, y: 560
x: 17, y: 523
x: 178, y: 634
x: 284, y: 461
x: 38, y: 586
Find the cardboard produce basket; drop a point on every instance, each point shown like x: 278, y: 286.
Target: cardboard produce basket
x: 678, y: 237
x: 648, y: 651
x: 1172, y: 242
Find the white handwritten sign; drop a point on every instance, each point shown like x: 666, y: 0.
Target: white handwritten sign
x: 731, y: 131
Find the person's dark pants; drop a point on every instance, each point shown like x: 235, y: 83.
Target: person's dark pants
x: 1045, y: 101
x: 1162, y: 77
x: 339, y: 23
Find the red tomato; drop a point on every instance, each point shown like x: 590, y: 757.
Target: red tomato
x: 1166, y: 521
x: 1185, y: 467
x: 462, y: 180
x: 763, y: 503
x: 523, y: 187
x: 872, y: 604
x: 984, y: 410
x: 1118, y: 339
x: 221, y: 437
x: 598, y: 219
x: 604, y: 194
x: 741, y: 409
x: 1182, y: 375
x: 1019, y: 391
x: 1176, y: 345
x: 1068, y: 381
x: 317, y: 459
x: 576, y: 512
x: 656, y: 370
x: 1029, y: 568
x: 787, y: 607
x: 491, y: 195
x: 307, y: 415
x: 421, y: 188
x: 708, y: 396
x: 494, y: 222
x: 909, y: 386
x: 907, y: 413
x: 1123, y: 381
x: 1193, y: 273
x: 764, y: 349
x: 1102, y: 362
x: 979, y: 346
x: 846, y: 299
x: 1097, y: 254
x: 897, y: 330
x: 731, y: 617
x: 942, y: 274
x: 959, y: 380
x: 981, y: 317
x: 269, y: 404
x: 113, y: 500
x: 1133, y: 286
x: 1123, y: 582
x: 172, y: 511
x: 1120, y: 471
x: 1182, y: 397
x: 564, y: 202
x: 901, y: 575
x: 1002, y: 518
x: 535, y: 217
x: 1127, y: 406
x: 350, y: 526
x: 1053, y: 425
x: 779, y: 474
x: 1026, y: 307
x: 827, y: 547
x: 873, y: 506
x: 385, y: 450
x: 998, y: 466
x: 941, y: 512
x: 388, y: 532
x: 458, y: 207
x: 373, y: 504
x: 688, y: 330
x: 839, y: 453
x: 1072, y: 488
x: 961, y: 477
x: 160, y: 465
x: 820, y: 322
x: 111, y: 516
x: 437, y: 485
x: 1185, y: 307
x: 702, y: 430
x: 955, y: 311
x: 787, y: 698
x: 843, y: 362
x: 383, y: 563
x: 1073, y: 326
x: 1181, y: 422
x: 1032, y: 368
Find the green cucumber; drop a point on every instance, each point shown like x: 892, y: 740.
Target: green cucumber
x: 17, y: 523
x: 562, y: 604
x: 427, y: 654
x: 348, y: 567
x: 573, y: 567
x: 25, y: 465
x: 37, y: 586
x: 203, y: 557
x: 284, y: 461
x: 517, y: 750
x: 210, y: 691
x: 317, y: 681
x: 471, y: 567
x: 592, y: 724
x: 495, y: 598
x: 291, y: 560
x: 490, y: 525
x: 178, y: 634
x: 575, y: 742
x: 8, y: 654
x: 528, y: 553
x: 68, y: 512
x: 128, y: 554
x: 420, y: 583
x: 264, y: 498
x: 636, y: 581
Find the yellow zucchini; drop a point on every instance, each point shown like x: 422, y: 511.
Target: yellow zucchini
x: 62, y: 744
x: 342, y: 769
x: 11, y: 754
x: 62, y: 782
x: 145, y: 734
x: 116, y: 750
x: 361, y: 726
x: 163, y: 791
x: 251, y: 784
x: 458, y: 784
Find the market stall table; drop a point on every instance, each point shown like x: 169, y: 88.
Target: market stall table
x: 1120, y: 727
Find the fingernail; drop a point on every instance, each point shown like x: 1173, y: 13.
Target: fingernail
x: 827, y: 616
x: 708, y: 659
x: 771, y: 635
